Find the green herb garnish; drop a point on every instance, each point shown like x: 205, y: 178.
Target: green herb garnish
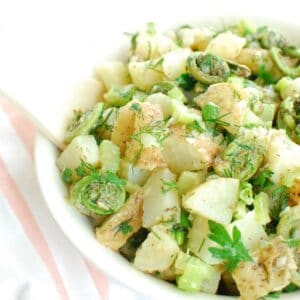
x: 66, y: 175
x: 186, y: 81
x: 233, y: 250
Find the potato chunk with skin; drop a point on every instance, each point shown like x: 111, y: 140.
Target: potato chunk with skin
x: 232, y: 99
x: 160, y: 203
x: 143, y: 148
x: 183, y: 153
x: 124, y: 127
x: 227, y: 45
x: 110, y: 233
x: 283, y: 156
x: 253, y: 58
x: 158, y: 252
x: 271, y: 271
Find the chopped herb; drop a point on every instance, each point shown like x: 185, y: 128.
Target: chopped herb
x: 233, y: 250
x: 263, y: 179
x: 66, y: 175
x: 195, y: 126
x: 157, y: 129
x: 110, y: 177
x: 108, y: 127
x: 184, y: 219
x: 293, y: 243
x: 274, y: 295
x: 124, y: 227
x: 265, y: 76
x: 186, y: 81
x: 154, y: 64
x: 155, y: 234
x: 244, y: 146
x: 279, y: 201
x: 211, y: 113
x: 133, y: 38
x: 168, y: 186
x: 180, y: 230
x: 136, y: 107
x: 291, y: 288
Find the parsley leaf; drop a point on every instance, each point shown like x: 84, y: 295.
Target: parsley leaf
x: 233, y: 250
x: 66, y: 175
x: 124, y: 227
x: 168, y: 186
x: 211, y: 113
x: 186, y: 81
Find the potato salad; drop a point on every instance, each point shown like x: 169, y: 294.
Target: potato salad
x: 189, y: 163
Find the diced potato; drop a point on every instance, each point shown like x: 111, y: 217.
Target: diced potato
x: 150, y: 45
x: 164, y: 101
x: 174, y: 63
x: 253, y: 58
x: 252, y: 233
x: 183, y: 153
x: 124, y: 127
x: 283, y: 156
x: 145, y: 74
x: 83, y: 147
x: 144, y: 150
x: 227, y: 45
x: 133, y: 174
x: 113, y: 73
x: 270, y: 271
x: 158, y: 252
x: 232, y: 99
x: 215, y: 199
x: 198, y: 241
x: 196, y: 38
x: 189, y: 180
x: 111, y: 233
x: 160, y: 205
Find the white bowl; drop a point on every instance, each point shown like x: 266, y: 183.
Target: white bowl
x: 78, y: 229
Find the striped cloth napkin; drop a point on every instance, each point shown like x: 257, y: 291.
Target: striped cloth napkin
x: 36, y: 260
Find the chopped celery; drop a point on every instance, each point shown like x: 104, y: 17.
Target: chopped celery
x: 177, y: 94
x: 196, y: 275
x: 182, y: 114
x: 261, y: 208
x: 109, y: 156
x: 246, y: 193
x: 269, y: 110
x: 85, y: 123
x: 119, y: 95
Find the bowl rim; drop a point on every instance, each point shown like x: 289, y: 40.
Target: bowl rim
x: 127, y: 275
